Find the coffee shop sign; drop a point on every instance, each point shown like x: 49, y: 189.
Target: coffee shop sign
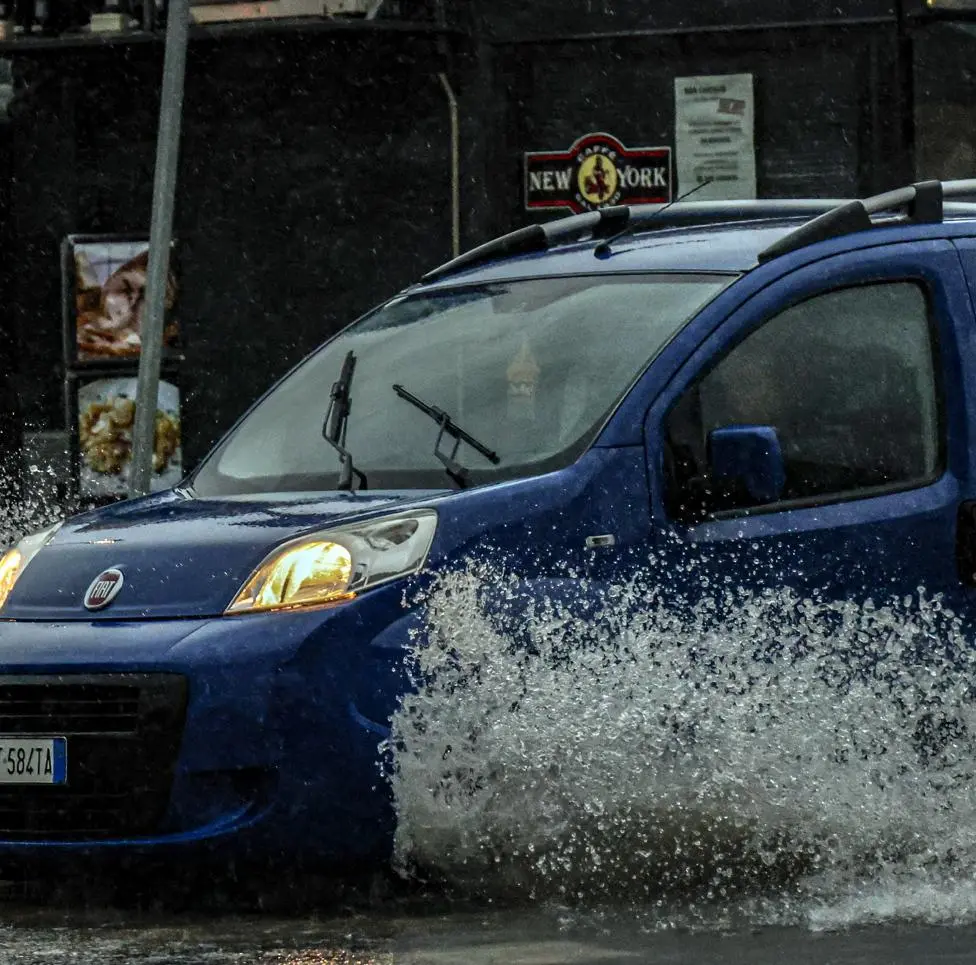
x: 598, y: 170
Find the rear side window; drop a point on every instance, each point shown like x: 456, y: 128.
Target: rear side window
x: 848, y: 381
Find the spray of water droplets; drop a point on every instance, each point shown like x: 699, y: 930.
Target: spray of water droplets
x: 29, y: 501
x: 812, y: 758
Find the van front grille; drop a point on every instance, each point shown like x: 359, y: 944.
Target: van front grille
x: 123, y: 735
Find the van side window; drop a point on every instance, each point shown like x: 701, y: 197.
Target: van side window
x: 848, y: 381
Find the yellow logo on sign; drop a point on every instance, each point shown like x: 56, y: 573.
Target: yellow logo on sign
x: 598, y: 179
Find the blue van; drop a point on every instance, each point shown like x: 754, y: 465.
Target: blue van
x: 213, y: 669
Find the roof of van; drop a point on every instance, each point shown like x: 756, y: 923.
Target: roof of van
x: 717, y: 236
x: 712, y: 248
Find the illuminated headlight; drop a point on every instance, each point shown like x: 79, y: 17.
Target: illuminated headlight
x: 336, y: 564
x: 15, y: 560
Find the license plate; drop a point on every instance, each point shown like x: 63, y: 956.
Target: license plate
x: 33, y: 760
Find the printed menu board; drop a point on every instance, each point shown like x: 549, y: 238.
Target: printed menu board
x: 714, y: 120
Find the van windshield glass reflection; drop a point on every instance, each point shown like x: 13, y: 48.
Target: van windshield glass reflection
x: 530, y: 368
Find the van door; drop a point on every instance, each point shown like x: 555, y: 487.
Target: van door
x: 856, y: 363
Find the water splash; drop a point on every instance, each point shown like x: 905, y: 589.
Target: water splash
x: 29, y: 501
x: 811, y: 760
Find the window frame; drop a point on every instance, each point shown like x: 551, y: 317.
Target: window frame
x: 845, y: 496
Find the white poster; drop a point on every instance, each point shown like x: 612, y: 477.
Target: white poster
x: 714, y: 136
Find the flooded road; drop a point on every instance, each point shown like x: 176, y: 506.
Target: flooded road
x: 31, y: 935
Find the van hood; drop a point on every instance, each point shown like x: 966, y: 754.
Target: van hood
x: 180, y: 556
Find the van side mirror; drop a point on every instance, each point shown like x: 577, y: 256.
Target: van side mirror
x: 751, y: 456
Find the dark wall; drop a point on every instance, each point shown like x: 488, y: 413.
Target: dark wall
x: 944, y: 62
x: 10, y: 423
x: 314, y: 182
x: 505, y: 20
x: 828, y: 100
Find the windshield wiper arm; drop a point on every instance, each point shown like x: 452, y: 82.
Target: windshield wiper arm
x: 449, y: 427
x: 336, y: 420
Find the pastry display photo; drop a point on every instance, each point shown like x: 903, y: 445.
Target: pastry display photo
x: 110, y: 299
x: 106, y: 417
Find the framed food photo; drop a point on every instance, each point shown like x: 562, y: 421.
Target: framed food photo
x: 104, y: 295
x: 103, y: 421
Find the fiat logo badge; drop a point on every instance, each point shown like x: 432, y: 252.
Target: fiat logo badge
x: 104, y: 589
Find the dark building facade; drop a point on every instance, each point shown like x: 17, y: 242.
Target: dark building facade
x: 324, y: 169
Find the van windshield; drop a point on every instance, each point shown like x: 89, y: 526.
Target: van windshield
x: 530, y: 368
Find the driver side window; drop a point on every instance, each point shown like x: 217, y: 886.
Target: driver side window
x: 848, y: 382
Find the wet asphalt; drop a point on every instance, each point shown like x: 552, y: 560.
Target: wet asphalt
x: 39, y: 931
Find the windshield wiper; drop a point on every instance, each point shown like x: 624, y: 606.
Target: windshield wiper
x: 449, y: 427
x: 336, y: 420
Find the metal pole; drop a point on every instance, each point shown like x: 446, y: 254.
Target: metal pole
x: 452, y: 106
x: 160, y: 236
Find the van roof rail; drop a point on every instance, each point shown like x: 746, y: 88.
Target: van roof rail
x: 826, y: 218
x: 921, y: 203
x: 606, y: 222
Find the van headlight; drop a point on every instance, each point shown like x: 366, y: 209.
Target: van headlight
x: 337, y: 564
x: 15, y: 560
